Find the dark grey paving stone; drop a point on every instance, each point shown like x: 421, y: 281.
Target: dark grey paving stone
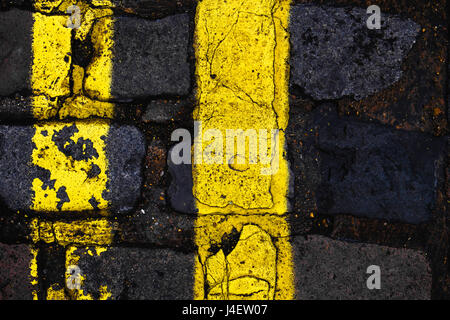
x: 136, y: 274
x: 334, y: 54
x: 337, y: 270
x: 180, y: 192
x: 15, y: 280
x: 15, y: 51
x: 375, y: 171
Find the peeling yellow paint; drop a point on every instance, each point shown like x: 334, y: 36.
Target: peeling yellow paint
x: 51, y: 63
x: 34, y: 272
x: 98, y: 74
x: 242, y: 49
x: 83, y: 107
x: 73, y: 255
x: 67, y: 173
x: 56, y: 293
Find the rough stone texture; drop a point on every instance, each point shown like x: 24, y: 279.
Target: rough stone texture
x: 374, y: 171
x: 124, y: 166
x: 15, y: 282
x: 342, y: 56
x: 180, y: 190
x: 150, y: 57
x: 16, y: 108
x: 155, y: 224
x: 15, y: 51
x: 16, y: 174
x: 136, y: 274
x: 125, y: 150
x: 161, y: 111
x: 329, y: 269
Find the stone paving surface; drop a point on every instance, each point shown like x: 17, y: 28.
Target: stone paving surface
x: 366, y: 151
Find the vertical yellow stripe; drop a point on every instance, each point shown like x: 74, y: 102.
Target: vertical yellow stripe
x: 51, y: 64
x: 242, y: 49
x: 91, y: 92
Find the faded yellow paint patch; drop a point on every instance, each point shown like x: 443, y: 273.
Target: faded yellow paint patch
x: 258, y: 267
x: 81, y: 232
x: 51, y: 63
x: 98, y: 74
x: 241, y: 49
x: 73, y: 256
x: 74, y: 187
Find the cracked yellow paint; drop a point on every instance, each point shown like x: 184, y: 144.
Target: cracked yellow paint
x: 51, y: 69
x: 242, y: 49
x: 239, y: 273
x: 257, y: 257
x: 51, y: 64
x: 71, y: 188
x: 98, y: 74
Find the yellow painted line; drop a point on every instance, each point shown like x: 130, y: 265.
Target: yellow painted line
x: 86, y: 93
x: 51, y: 64
x: 242, y: 49
x: 52, y: 70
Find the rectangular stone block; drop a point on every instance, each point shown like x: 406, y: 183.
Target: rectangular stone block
x: 132, y: 273
x: 18, y: 272
x: 71, y: 166
x: 337, y: 270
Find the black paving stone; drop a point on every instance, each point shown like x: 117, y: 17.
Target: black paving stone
x: 334, y: 54
x: 151, y: 57
x: 125, y: 150
x: 180, y: 191
x: 375, y: 171
x: 15, y: 51
x: 337, y: 270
